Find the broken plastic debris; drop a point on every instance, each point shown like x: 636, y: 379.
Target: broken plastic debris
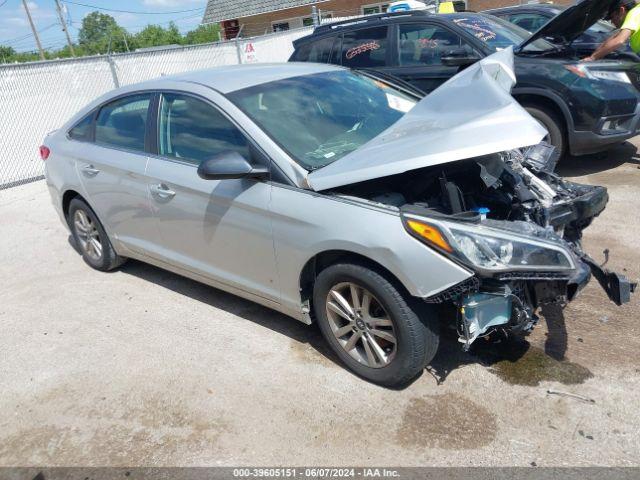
x: 571, y: 395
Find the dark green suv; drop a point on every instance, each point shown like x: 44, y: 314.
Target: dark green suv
x: 585, y: 107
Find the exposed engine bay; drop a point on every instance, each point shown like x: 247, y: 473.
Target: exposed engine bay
x: 528, y: 252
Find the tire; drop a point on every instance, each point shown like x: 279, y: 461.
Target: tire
x: 87, y: 230
x: 413, y: 325
x: 553, y: 125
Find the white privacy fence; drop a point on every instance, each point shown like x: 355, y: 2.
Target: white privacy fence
x: 36, y: 98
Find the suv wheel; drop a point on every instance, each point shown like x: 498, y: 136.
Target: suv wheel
x: 91, y: 238
x: 553, y: 125
x: 374, y: 329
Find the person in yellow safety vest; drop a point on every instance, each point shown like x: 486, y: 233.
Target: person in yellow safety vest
x: 446, y: 7
x: 625, y: 15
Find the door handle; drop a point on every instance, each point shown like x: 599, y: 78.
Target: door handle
x: 90, y: 171
x: 162, y: 191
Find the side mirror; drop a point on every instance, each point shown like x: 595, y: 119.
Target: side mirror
x: 230, y: 165
x: 458, y: 57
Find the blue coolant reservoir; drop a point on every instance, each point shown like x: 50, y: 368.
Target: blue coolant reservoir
x: 481, y: 311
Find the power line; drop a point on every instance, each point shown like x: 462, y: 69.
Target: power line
x: 3, y: 3
x: 131, y: 11
x: 25, y: 37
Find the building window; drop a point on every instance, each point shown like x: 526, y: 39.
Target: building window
x: 296, y: 22
x: 280, y: 26
x: 374, y: 8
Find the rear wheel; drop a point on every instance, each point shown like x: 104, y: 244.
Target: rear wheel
x: 552, y: 125
x: 380, y: 333
x: 91, y: 238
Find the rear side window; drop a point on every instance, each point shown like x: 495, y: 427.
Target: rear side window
x: 122, y: 123
x: 365, y: 48
x: 194, y: 131
x: 318, y: 51
x: 531, y: 22
x: 82, y: 129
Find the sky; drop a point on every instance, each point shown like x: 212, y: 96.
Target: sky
x: 15, y: 31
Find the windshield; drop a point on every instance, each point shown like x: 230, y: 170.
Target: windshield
x: 499, y: 34
x: 320, y: 118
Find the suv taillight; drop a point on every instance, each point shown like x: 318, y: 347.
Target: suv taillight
x: 44, y: 152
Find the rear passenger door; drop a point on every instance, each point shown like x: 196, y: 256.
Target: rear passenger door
x: 111, y: 160
x: 220, y: 229
x: 421, y: 48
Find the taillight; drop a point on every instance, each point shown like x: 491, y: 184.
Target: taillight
x: 44, y: 152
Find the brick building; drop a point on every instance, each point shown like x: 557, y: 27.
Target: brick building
x: 257, y: 17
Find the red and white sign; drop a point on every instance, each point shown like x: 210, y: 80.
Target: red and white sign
x: 249, y: 54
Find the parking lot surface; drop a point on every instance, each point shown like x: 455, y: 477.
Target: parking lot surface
x: 141, y: 367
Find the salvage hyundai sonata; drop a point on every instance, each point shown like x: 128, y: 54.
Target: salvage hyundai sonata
x: 335, y: 197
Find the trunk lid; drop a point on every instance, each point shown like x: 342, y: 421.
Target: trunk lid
x: 470, y: 115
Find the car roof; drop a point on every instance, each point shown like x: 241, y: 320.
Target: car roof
x: 378, y: 19
x: 551, y: 7
x: 230, y: 78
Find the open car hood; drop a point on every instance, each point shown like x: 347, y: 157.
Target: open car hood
x: 471, y: 115
x: 572, y: 22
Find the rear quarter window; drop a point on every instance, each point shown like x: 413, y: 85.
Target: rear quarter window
x: 318, y: 51
x: 82, y: 130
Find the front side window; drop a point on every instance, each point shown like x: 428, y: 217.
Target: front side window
x: 365, y: 48
x: 498, y: 34
x: 122, y: 123
x: 82, y: 129
x: 193, y: 131
x: 426, y: 44
x: 320, y: 118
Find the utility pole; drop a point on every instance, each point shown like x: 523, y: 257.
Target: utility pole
x: 64, y: 28
x: 33, y: 29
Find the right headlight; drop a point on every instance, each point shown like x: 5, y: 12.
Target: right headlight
x: 488, y: 248
x: 586, y: 71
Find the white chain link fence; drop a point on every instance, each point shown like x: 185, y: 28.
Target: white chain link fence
x: 36, y: 98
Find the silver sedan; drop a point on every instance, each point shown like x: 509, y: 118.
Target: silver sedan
x: 334, y: 197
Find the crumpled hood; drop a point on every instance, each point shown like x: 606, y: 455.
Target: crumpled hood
x: 471, y: 115
x: 572, y: 22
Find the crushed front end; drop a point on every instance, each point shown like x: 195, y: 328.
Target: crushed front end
x: 520, y: 231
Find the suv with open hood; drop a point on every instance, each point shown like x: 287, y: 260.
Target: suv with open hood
x: 585, y: 108
x: 533, y: 16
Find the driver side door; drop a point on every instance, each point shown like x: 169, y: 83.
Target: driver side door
x: 220, y: 229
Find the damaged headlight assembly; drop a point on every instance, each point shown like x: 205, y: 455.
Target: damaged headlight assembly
x: 491, y: 252
x: 487, y: 249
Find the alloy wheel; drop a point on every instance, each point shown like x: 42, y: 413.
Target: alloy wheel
x: 88, y: 235
x: 361, y: 325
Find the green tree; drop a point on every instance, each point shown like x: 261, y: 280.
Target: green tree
x: 101, y: 33
x: 156, y: 35
x: 203, y: 34
x: 6, y: 54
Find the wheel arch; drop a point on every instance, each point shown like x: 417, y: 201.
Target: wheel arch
x: 541, y: 98
x: 67, y: 196
x: 326, y: 258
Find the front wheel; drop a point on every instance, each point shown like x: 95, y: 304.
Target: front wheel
x: 552, y: 125
x: 381, y: 334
